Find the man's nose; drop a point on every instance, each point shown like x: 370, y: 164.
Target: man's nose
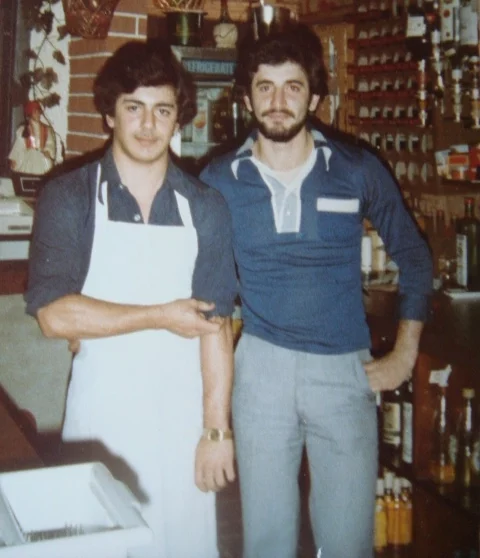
x: 148, y: 118
x: 278, y: 99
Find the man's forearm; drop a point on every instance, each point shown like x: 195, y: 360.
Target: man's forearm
x: 408, y: 340
x: 217, y: 373
x: 80, y: 317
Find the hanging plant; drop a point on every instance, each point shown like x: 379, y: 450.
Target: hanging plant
x: 39, y: 81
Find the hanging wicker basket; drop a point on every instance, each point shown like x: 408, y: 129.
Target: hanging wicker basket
x: 89, y: 19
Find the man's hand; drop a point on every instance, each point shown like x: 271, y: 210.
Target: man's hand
x: 186, y: 317
x: 214, y: 464
x: 390, y: 371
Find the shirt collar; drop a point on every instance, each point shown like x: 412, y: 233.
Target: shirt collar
x: 109, y: 172
x: 245, y: 151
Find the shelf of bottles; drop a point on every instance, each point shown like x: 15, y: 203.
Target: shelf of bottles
x: 387, y: 114
x: 447, y: 460
x: 416, y: 71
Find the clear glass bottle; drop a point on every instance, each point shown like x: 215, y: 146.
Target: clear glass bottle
x: 464, y: 472
x: 468, y: 247
x: 442, y: 469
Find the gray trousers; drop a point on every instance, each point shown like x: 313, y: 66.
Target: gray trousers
x: 284, y: 400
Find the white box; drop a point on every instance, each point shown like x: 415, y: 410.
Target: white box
x: 71, y: 511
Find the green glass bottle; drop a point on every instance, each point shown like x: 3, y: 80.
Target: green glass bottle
x: 468, y: 248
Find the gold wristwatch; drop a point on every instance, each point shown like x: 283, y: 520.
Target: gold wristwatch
x: 217, y: 435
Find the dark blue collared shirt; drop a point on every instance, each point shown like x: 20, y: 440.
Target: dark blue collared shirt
x: 302, y: 289
x: 64, y: 228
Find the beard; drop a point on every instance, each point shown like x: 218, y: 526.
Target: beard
x: 280, y: 134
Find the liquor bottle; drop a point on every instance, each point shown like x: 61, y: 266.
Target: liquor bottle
x: 417, y: 39
x: 442, y: 469
x: 406, y: 514
x: 463, y: 465
x: 468, y: 247
x: 392, y: 422
x: 450, y: 26
x: 380, y: 533
x: 393, y: 515
x: 468, y: 17
x: 407, y: 424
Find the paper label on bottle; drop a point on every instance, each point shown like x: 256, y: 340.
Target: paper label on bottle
x: 416, y: 26
x: 392, y: 424
x: 462, y: 260
x: 468, y: 26
x: 407, y: 432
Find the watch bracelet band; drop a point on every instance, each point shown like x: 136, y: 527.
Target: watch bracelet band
x: 217, y: 435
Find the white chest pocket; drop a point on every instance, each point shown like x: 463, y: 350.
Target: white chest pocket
x: 338, y: 205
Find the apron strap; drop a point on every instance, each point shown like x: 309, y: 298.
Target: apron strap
x: 101, y: 208
x: 184, y: 210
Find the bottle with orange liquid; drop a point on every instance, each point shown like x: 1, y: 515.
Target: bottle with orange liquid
x: 406, y: 515
x: 442, y: 467
x: 380, y: 539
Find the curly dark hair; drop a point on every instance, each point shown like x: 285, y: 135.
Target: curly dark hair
x: 144, y: 64
x: 296, y: 43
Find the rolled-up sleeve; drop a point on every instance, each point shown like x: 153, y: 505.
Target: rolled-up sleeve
x: 214, y: 278
x: 57, y: 253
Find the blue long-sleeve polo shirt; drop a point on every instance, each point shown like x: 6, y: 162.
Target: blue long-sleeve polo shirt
x: 303, y: 290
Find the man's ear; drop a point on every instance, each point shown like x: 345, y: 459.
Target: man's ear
x: 110, y: 122
x: 248, y: 104
x: 312, y: 107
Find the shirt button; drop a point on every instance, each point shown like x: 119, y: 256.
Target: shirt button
x: 137, y: 217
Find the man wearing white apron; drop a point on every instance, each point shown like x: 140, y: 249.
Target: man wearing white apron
x: 131, y: 262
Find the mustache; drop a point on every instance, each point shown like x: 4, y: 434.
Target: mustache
x: 277, y: 111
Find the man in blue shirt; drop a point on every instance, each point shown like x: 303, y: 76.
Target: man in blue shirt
x: 304, y: 375
x: 132, y: 258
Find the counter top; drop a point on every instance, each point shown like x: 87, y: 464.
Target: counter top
x: 452, y: 333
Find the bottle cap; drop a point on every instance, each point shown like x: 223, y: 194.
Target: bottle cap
x: 397, y: 485
x: 388, y: 479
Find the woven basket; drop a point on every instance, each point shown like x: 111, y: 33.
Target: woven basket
x: 179, y: 5
x: 90, y: 20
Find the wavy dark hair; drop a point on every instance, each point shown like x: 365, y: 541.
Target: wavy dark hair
x: 296, y: 43
x: 144, y: 64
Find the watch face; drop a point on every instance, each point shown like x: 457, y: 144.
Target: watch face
x: 214, y: 435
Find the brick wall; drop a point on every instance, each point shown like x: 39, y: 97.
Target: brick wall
x: 85, y: 130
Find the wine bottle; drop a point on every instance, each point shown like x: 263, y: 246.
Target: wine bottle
x: 417, y: 39
x: 392, y: 422
x: 450, y: 26
x: 407, y: 424
x: 468, y: 247
x: 468, y: 17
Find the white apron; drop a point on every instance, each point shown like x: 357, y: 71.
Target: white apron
x: 140, y: 394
